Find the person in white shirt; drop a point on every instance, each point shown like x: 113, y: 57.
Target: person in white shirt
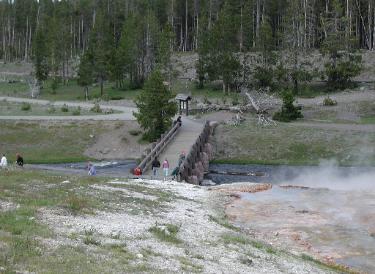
x: 3, y: 162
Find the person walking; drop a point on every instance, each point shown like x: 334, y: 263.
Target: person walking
x: 92, y: 169
x: 155, y: 167
x: 165, y: 169
x: 19, y: 160
x: 176, y: 171
x: 3, y: 162
x: 181, y: 159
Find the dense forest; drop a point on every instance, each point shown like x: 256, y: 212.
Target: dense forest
x: 132, y: 37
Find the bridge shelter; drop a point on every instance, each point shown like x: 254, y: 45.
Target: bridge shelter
x: 183, y: 103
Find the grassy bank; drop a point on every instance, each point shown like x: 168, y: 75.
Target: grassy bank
x: 292, y: 144
x: 28, y: 244
x: 66, y: 92
x: 48, y: 142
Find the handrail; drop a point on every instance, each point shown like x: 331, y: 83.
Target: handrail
x: 159, y: 147
x: 189, y: 164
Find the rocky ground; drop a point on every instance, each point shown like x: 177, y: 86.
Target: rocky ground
x: 201, y: 244
x: 137, y: 226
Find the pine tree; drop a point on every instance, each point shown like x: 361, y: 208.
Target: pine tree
x: 86, y: 72
x: 155, y: 108
x: 100, y: 47
x: 344, y: 61
x: 40, y: 56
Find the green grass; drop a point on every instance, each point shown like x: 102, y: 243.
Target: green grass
x: 48, y: 142
x: 313, y: 90
x: 68, y: 92
x: 25, y: 239
x: 235, y: 239
x: 368, y: 120
x: 331, y: 266
x: 166, y: 233
x: 190, y: 266
x: 223, y: 222
x: 25, y: 109
x: 14, y: 89
x: 291, y: 145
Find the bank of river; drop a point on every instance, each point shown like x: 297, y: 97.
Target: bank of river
x: 330, y: 215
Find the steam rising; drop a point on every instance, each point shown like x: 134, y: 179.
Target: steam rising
x: 330, y: 175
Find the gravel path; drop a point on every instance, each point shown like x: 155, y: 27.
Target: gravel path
x: 125, y: 115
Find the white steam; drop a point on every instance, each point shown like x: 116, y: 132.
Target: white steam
x: 330, y: 175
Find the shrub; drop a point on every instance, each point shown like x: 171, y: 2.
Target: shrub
x: 25, y: 107
x: 235, y: 100
x: 64, y: 108
x: 54, y: 86
x: 77, y: 111
x: 289, y: 111
x: 206, y: 101
x: 109, y: 111
x: 51, y: 109
x: 96, y: 108
x: 166, y: 233
x: 90, y: 240
x: 106, y: 97
x: 135, y: 132
x: 264, y: 78
x: 75, y: 204
x: 329, y: 102
x: 117, y: 97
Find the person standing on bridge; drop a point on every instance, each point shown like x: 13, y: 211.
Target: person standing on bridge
x: 155, y: 167
x: 165, y: 169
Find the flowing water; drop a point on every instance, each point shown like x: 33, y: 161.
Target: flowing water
x: 114, y: 168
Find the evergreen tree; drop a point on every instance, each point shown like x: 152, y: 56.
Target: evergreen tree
x: 100, y: 48
x: 344, y: 61
x: 155, y: 108
x: 40, y: 56
x: 223, y: 62
x: 86, y: 72
x: 289, y: 111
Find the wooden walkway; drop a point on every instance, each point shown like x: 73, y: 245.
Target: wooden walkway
x: 183, y: 141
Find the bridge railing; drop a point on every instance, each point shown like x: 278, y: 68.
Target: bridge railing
x: 159, y: 147
x: 189, y: 166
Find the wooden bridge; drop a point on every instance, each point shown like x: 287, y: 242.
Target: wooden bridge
x: 190, y: 137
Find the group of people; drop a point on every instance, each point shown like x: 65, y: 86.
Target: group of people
x: 4, y: 161
x: 165, y: 166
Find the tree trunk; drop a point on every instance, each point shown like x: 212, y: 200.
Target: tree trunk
x: 101, y: 86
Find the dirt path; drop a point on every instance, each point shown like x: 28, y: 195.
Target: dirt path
x: 125, y: 115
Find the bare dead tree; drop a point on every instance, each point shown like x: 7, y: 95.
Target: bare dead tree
x: 34, y: 87
x: 262, y: 103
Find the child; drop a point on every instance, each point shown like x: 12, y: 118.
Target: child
x: 92, y: 169
x: 165, y: 168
